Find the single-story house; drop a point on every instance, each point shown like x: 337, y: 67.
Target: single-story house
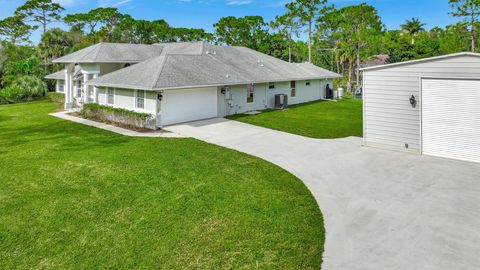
x: 428, y: 106
x: 182, y: 82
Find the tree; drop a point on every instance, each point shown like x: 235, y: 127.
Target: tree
x: 287, y: 26
x: 355, y: 29
x: 307, y: 11
x: 42, y: 12
x: 91, y: 20
x: 54, y: 44
x: 455, y: 38
x: 470, y: 11
x: 189, y: 34
x: 413, y: 27
x: 109, y: 17
x: 14, y: 29
x: 248, y: 31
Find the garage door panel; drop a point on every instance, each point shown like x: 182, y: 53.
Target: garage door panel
x: 185, y: 105
x: 451, y: 118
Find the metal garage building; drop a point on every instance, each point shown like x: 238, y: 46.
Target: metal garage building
x: 429, y: 106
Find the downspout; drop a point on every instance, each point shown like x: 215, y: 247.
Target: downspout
x: 266, y: 100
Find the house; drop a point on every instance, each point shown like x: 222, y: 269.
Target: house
x: 429, y: 106
x: 376, y: 60
x: 182, y: 82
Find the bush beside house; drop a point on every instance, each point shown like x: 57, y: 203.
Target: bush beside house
x: 120, y: 117
x: 22, y: 89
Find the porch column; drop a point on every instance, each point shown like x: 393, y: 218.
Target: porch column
x: 68, y: 87
x: 95, y: 89
x: 85, y: 88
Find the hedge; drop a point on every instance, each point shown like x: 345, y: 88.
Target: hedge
x: 56, y: 97
x: 121, y: 117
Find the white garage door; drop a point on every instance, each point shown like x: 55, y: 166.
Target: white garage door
x: 186, y: 105
x: 451, y: 118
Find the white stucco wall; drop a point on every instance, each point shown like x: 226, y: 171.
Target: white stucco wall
x: 125, y: 98
x: 265, y: 98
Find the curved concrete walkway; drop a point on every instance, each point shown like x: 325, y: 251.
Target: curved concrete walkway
x: 382, y: 209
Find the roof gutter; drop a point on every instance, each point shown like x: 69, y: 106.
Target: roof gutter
x: 420, y: 60
x: 209, y: 85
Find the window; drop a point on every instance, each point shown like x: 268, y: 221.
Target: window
x: 271, y: 85
x: 79, y: 89
x: 250, y: 93
x: 61, y: 87
x: 293, y: 91
x: 307, y: 83
x: 140, y: 99
x: 110, y: 96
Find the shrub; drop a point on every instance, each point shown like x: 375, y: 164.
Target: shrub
x: 121, y: 117
x: 24, y: 88
x: 56, y: 97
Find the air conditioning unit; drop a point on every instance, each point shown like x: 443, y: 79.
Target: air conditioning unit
x: 281, y: 102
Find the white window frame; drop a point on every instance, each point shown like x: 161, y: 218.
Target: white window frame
x: 293, y: 90
x: 79, y: 88
x: 107, y: 94
x: 136, y: 99
x: 61, y: 87
x: 251, y: 90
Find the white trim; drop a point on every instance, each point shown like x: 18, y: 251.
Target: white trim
x: 363, y: 110
x: 209, y: 85
x: 420, y: 90
x: 135, y: 99
x: 107, y: 94
x: 293, y: 89
x: 421, y: 60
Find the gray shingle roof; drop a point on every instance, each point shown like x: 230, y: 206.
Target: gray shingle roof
x: 59, y: 75
x: 112, y: 53
x: 198, y: 64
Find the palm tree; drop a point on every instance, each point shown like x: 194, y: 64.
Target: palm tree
x: 54, y: 43
x: 413, y: 27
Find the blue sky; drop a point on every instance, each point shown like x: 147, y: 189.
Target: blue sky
x: 203, y: 13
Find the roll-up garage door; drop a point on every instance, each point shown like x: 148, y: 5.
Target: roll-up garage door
x: 185, y: 105
x: 451, y: 118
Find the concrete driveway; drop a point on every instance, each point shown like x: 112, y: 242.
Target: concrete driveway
x: 382, y: 209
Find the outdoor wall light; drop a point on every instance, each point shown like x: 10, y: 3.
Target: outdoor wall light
x: 413, y: 101
x: 223, y: 91
x: 160, y: 97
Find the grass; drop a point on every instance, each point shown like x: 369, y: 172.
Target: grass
x: 319, y: 119
x: 76, y: 197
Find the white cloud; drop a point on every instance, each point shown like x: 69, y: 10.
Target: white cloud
x: 113, y: 3
x: 238, y: 2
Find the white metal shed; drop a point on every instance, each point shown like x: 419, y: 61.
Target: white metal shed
x: 429, y: 106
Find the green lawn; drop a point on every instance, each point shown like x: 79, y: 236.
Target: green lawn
x: 76, y: 197
x: 319, y: 119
